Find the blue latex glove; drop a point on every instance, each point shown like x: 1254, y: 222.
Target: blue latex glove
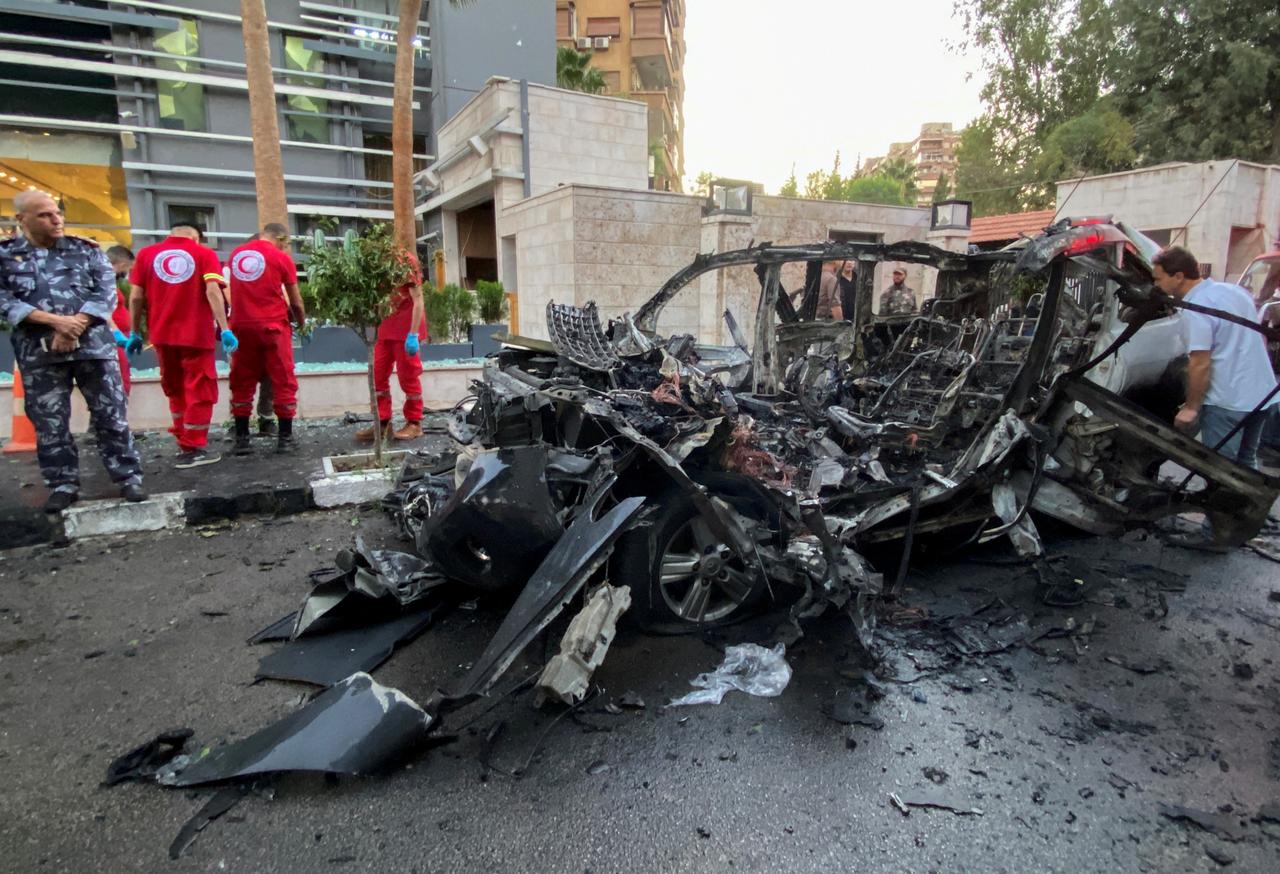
x: 411, y: 344
x: 229, y: 342
x: 121, y: 339
x: 134, y: 346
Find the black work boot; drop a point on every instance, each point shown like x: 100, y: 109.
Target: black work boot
x: 242, y: 445
x: 285, y: 441
x: 267, y: 427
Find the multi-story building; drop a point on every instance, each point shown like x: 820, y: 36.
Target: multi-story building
x: 136, y: 114
x: 638, y: 45
x: 932, y: 152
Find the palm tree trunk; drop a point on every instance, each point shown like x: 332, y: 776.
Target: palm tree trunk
x: 268, y: 169
x: 402, y: 124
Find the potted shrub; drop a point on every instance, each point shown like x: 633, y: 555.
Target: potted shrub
x: 449, y: 311
x: 491, y: 301
x: 349, y: 283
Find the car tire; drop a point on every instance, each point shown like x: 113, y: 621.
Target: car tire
x: 682, y: 578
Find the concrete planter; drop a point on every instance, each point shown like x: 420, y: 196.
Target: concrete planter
x: 356, y: 478
x: 482, y: 338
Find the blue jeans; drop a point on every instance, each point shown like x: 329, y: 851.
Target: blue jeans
x: 1242, y: 448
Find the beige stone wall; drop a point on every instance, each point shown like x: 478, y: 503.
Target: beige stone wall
x: 586, y: 139
x: 544, y: 234
x: 627, y: 244
x: 1167, y: 197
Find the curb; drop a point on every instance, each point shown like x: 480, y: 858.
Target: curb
x: 31, y: 526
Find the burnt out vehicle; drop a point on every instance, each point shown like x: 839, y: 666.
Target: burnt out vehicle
x: 767, y: 467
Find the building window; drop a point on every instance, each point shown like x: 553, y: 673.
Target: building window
x: 566, y: 23
x: 203, y: 217
x: 181, y: 104
x: 604, y: 27
x: 647, y: 21
x: 305, y: 120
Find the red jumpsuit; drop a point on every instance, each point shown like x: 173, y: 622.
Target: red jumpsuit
x: 260, y: 320
x: 388, y: 352
x: 172, y: 276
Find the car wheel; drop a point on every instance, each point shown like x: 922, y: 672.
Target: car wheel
x: 682, y: 577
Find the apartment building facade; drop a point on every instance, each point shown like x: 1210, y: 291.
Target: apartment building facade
x: 135, y: 115
x: 638, y: 45
x: 932, y: 152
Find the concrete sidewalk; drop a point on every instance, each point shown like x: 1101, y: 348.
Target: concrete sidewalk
x: 263, y: 483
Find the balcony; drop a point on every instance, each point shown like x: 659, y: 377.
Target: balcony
x: 653, y: 53
x: 662, y: 115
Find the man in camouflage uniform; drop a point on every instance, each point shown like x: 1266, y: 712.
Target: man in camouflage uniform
x: 898, y: 299
x: 58, y: 293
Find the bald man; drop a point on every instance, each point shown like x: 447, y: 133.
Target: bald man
x: 176, y: 298
x: 58, y: 292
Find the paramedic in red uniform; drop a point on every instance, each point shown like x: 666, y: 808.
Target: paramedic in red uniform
x: 175, y: 290
x: 121, y: 259
x: 264, y: 294
x: 397, y: 346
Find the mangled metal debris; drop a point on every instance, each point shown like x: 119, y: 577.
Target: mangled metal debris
x: 585, y: 644
x: 356, y: 726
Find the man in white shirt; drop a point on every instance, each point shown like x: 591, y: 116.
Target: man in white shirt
x: 1228, y: 370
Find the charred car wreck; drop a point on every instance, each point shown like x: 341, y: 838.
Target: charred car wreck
x: 761, y: 470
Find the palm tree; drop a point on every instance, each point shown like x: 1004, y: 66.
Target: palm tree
x: 900, y: 169
x: 402, y: 124
x: 268, y: 168
x: 574, y: 71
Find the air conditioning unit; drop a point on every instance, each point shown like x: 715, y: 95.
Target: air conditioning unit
x: 601, y: 42
x: 584, y: 42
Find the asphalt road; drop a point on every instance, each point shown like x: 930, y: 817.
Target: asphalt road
x: 1066, y: 746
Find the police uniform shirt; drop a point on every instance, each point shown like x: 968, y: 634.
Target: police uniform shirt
x: 71, y: 277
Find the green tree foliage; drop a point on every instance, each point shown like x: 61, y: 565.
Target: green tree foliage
x: 1200, y: 80
x: 491, y: 301
x: 1093, y: 86
x: 900, y: 169
x: 350, y: 283
x: 942, y: 190
x: 574, y: 71
x: 790, y: 188
x: 1099, y: 141
x: 875, y: 188
x: 702, y: 183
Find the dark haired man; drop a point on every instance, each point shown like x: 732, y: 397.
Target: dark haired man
x: 1228, y: 370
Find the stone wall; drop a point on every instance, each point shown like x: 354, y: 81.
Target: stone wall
x: 1167, y: 197
x: 543, y: 230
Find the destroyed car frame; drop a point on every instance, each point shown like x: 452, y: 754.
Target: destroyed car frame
x: 765, y: 467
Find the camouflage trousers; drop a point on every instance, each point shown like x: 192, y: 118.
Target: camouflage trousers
x: 48, y: 403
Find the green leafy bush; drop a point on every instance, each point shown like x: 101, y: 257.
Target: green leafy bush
x: 462, y: 309
x: 349, y: 283
x: 436, y: 305
x: 491, y: 300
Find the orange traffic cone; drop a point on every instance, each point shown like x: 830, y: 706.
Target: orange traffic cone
x: 22, y: 437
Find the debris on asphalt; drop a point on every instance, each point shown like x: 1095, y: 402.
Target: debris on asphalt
x: 747, y: 667
x: 143, y: 763
x: 1222, y: 825
x: 584, y: 645
x: 222, y: 801
x: 355, y: 727
x: 938, y: 801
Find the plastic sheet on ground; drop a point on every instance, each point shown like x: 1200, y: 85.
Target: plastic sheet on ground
x: 747, y: 667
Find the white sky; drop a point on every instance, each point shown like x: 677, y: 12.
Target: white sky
x: 769, y: 83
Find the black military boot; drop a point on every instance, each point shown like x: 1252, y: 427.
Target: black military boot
x: 285, y: 441
x: 242, y: 445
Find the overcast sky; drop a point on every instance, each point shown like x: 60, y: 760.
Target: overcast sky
x: 770, y: 83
